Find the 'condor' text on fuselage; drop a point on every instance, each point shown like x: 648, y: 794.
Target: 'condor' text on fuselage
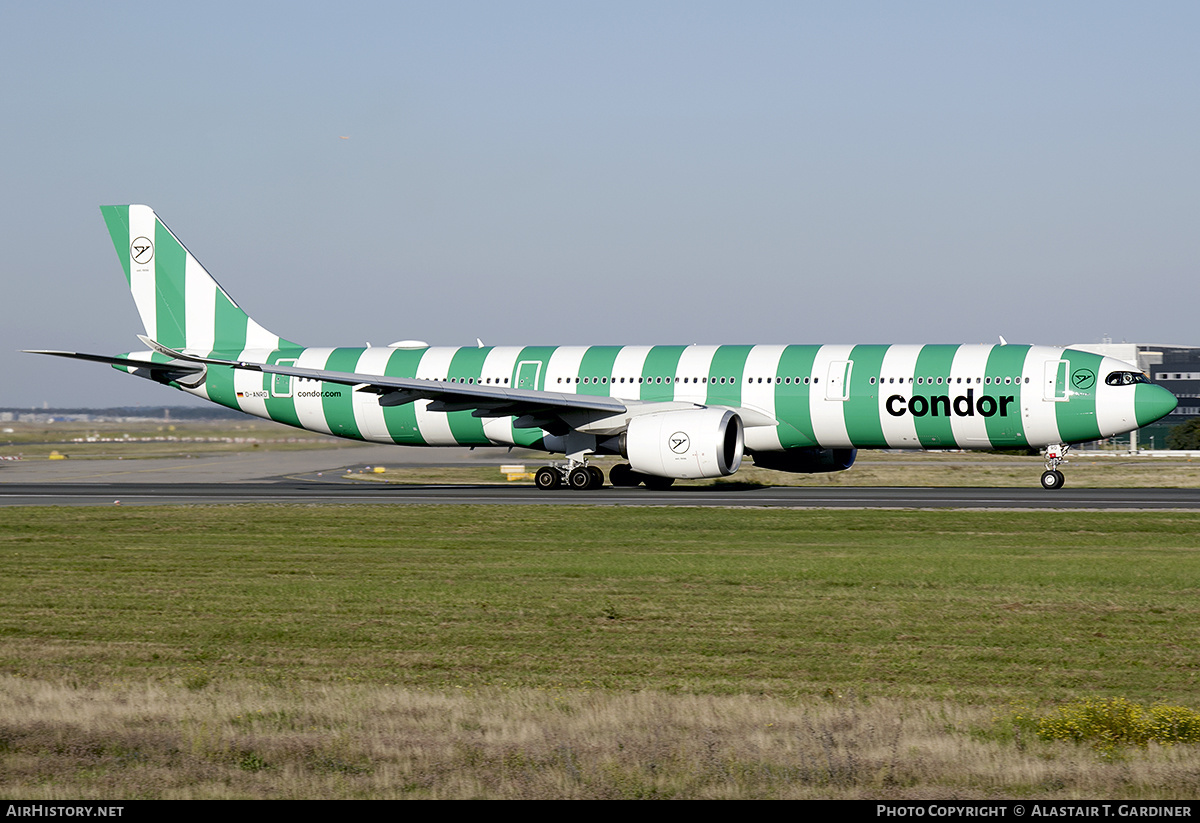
x: 942, y: 406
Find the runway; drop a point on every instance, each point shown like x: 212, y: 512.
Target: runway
x: 315, y: 477
x: 301, y: 491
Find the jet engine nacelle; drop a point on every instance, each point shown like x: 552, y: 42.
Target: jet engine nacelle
x: 810, y: 460
x: 685, y: 443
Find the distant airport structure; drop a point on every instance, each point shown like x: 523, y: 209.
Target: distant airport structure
x: 1174, y: 367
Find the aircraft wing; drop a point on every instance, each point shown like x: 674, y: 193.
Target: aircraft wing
x: 486, y: 401
x: 533, y: 409
x: 554, y: 411
x: 481, y: 400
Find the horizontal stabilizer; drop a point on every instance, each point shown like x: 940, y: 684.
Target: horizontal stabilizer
x: 184, y: 372
x: 173, y: 366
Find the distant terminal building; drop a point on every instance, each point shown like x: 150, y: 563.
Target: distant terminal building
x: 1175, y: 368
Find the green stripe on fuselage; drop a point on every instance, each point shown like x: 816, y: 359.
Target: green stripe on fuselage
x: 1004, y: 427
x: 1076, y: 416
x: 401, y: 421
x: 661, y: 364
x: 337, y: 401
x: 933, y: 416
x: 466, y: 367
x: 596, y: 366
x: 791, y: 399
x: 728, y: 362
x: 861, y: 409
x: 218, y: 382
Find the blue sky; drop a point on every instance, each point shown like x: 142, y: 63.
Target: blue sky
x: 569, y: 172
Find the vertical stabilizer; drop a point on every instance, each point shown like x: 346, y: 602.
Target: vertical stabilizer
x: 181, y: 305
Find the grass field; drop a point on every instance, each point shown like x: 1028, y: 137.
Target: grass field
x: 271, y: 651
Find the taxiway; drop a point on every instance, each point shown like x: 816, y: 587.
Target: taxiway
x: 315, y: 476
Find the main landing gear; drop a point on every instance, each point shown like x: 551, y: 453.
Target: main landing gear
x: 580, y: 476
x: 576, y: 475
x: 1052, y: 478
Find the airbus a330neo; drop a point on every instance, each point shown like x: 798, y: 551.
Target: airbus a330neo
x: 671, y: 411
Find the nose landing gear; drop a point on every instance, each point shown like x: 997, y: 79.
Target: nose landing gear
x: 1056, y: 455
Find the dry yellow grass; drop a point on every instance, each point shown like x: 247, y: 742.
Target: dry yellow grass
x: 249, y: 741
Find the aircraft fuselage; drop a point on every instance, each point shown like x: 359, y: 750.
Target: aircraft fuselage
x: 833, y: 396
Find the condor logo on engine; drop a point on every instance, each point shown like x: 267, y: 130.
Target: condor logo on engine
x: 679, y: 442
x: 962, y: 406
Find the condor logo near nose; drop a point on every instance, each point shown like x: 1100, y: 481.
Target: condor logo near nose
x: 963, y: 406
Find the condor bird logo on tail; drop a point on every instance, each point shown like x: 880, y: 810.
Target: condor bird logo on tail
x: 141, y: 251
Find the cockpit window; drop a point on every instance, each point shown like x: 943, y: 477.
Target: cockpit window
x: 1125, y: 378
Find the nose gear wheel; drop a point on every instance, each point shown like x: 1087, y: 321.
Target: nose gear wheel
x: 1052, y: 478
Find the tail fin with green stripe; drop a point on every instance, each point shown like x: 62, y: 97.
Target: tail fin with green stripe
x: 181, y: 305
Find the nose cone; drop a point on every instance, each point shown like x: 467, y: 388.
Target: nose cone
x: 1152, y: 403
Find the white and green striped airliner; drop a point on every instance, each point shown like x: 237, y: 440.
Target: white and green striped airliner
x: 671, y: 411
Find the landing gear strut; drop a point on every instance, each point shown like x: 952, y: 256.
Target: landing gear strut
x: 1052, y: 478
